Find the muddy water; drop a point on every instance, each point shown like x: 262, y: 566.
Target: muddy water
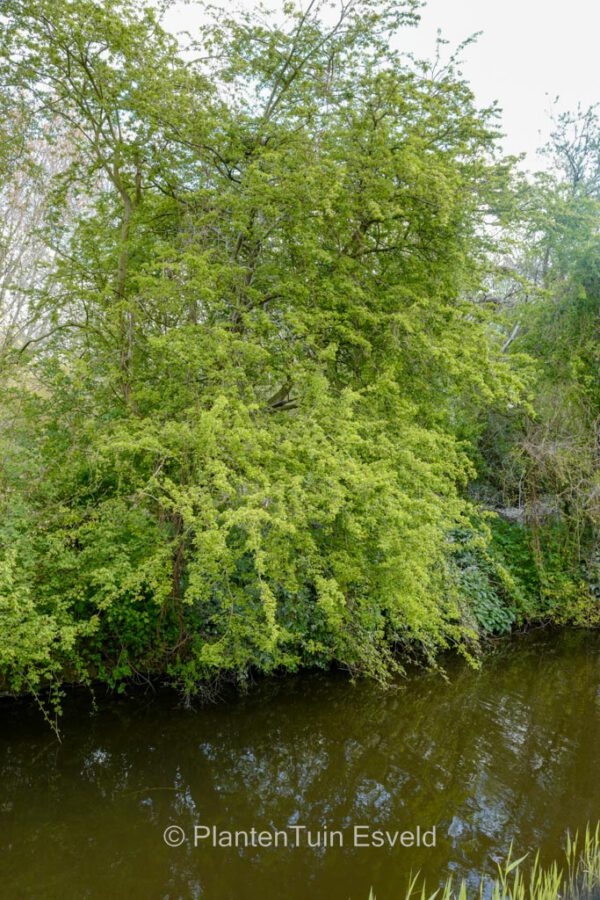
x: 508, y: 753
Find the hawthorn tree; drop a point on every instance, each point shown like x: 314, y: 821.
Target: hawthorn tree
x: 242, y: 442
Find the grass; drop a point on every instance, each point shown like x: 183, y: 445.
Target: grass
x: 577, y: 877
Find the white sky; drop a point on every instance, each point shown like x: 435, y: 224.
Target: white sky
x: 530, y: 52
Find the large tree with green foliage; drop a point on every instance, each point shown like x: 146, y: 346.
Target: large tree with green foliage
x: 241, y: 441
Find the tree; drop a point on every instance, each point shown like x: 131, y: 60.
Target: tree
x: 244, y: 442
x: 549, y: 463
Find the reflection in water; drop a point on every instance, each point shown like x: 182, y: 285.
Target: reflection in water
x: 507, y: 753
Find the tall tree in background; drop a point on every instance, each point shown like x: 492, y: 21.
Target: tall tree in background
x: 548, y: 461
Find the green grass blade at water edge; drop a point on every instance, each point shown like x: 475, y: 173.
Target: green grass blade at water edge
x: 577, y: 877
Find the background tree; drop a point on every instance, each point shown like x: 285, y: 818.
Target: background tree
x: 547, y: 461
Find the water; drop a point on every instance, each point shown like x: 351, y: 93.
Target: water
x: 509, y: 753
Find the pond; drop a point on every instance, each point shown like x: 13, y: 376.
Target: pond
x: 506, y: 753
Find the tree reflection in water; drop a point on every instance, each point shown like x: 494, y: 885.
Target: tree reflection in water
x: 506, y: 753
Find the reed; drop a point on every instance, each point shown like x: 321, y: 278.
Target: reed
x: 575, y: 877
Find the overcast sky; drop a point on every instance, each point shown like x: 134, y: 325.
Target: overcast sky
x: 530, y: 52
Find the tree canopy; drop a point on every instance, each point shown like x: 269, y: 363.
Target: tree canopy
x: 241, y: 433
